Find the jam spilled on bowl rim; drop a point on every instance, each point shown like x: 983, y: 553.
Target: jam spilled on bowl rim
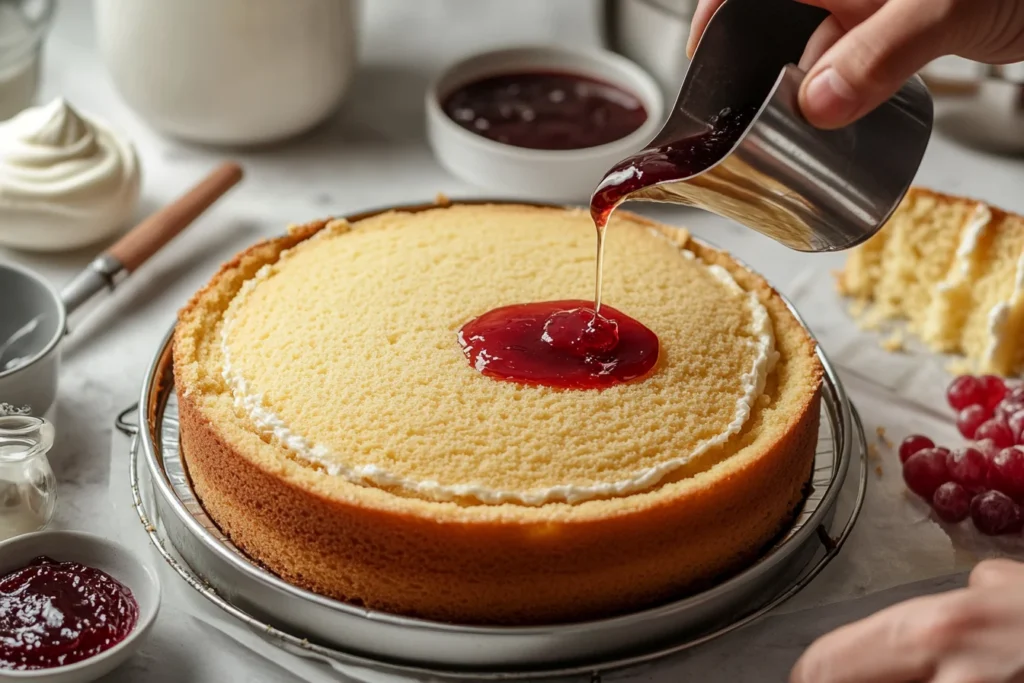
x: 58, y: 613
x: 584, y: 345
x: 562, y: 344
x: 545, y: 110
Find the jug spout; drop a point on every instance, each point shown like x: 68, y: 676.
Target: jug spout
x: 758, y: 161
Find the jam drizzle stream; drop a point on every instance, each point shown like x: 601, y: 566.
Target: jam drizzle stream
x: 684, y: 157
x: 568, y: 344
x: 57, y: 613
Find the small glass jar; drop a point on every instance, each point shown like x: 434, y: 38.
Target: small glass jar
x: 23, y: 27
x: 28, y: 488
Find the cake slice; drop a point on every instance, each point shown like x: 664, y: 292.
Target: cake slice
x: 953, y: 269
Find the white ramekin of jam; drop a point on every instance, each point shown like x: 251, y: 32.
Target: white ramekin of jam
x: 73, y: 606
x: 541, y: 123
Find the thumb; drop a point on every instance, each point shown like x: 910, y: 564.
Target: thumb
x: 997, y: 574
x: 870, y: 63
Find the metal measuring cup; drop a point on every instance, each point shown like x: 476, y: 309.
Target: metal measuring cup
x: 33, y: 315
x: 810, y: 189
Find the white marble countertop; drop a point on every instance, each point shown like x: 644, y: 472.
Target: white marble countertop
x: 373, y: 153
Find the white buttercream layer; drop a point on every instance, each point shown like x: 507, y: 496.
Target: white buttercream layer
x: 977, y: 224
x: 999, y: 318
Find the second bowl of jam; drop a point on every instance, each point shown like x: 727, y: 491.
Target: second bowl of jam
x: 73, y: 606
x: 546, y: 110
x: 541, y: 123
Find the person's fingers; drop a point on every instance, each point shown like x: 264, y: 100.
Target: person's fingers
x: 895, y: 645
x: 701, y: 16
x: 989, y: 30
x: 845, y: 13
x: 997, y: 573
x: 960, y: 672
x: 869, y: 64
x: 824, y: 37
x: 849, y: 12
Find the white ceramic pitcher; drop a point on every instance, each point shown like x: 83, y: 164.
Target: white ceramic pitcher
x: 231, y: 72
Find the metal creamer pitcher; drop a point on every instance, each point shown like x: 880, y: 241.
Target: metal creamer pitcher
x: 810, y: 189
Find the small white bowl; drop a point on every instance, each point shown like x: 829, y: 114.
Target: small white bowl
x: 537, y: 174
x: 92, y: 551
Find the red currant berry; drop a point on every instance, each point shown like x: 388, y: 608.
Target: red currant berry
x: 995, y: 514
x: 969, y: 467
x: 988, y: 449
x: 914, y: 443
x: 993, y: 388
x: 969, y: 419
x: 1008, y: 407
x: 951, y: 502
x: 1006, y: 473
x: 964, y: 391
x: 997, y: 431
x: 1016, y: 425
x: 926, y: 471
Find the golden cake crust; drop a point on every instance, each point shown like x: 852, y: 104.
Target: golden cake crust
x: 495, y: 563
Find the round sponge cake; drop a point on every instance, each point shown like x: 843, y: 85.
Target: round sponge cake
x: 334, y: 429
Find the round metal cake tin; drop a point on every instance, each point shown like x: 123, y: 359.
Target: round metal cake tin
x: 327, y: 628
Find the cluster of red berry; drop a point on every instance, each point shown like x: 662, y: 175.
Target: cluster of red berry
x: 986, y: 481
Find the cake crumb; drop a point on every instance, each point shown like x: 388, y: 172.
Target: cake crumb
x: 894, y: 342
x: 867, y: 317
x: 880, y: 431
x: 959, y: 366
x: 337, y: 226
x: 878, y: 471
x: 873, y: 453
x: 441, y: 199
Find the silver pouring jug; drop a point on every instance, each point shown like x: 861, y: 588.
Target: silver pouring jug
x: 810, y: 189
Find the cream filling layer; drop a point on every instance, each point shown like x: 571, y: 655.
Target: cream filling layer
x: 944, y: 321
x: 976, y: 226
x: 250, y: 401
x: 999, y: 347
x: 999, y: 342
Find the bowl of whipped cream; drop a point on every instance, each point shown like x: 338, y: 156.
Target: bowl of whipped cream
x: 67, y: 180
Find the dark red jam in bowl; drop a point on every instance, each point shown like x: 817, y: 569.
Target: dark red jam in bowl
x: 546, y: 110
x: 561, y: 344
x: 58, y: 613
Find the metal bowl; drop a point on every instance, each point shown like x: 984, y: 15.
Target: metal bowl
x: 985, y: 112
x: 652, y: 33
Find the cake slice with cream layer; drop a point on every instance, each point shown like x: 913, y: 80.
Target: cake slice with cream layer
x: 953, y: 268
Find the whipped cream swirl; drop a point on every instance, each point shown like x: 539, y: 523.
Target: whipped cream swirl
x: 65, y: 180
